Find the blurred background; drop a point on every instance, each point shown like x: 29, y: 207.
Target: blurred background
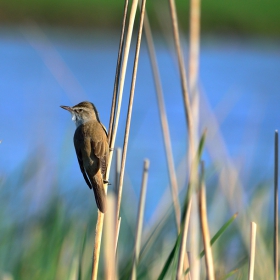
x: 60, y: 52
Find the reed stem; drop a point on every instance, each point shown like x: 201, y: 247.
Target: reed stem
x: 205, y: 229
x: 182, y: 70
x: 117, y: 75
x: 117, y: 234
x: 123, y: 72
x: 182, y: 253
x: 140, y: 219
x: 100, y: 217
x: 97, y: 244
x: 164, y: 123
x: 252, y: 250
x: 194, y: 62
x: 130, y: 106
x: 109, y: 239
x: 188, y: 114
x: 276, y: 206
x: 118, y: 170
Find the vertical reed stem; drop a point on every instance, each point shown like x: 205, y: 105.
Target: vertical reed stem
x: 204, y: 228
x: 100, y: 217
x: 117, y: 75
x: 194, y: 238
x: 109, y: 239
x: 182, y: 253
x: 189, y: 262
x: 194, y: 61
x: 130, y: 106
x: 276, y: 206
x: 140, y: 219
x: 194, y: 45
x: 252, y: 250
x: 117, y: 234
x: 97, y: 244
x: 182, y: 69
x: 191, y: 132
x: 123, y: 71
x: 164, y: 123
x: 118, y: 169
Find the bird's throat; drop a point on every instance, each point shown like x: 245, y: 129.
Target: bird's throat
x: 79, y: 121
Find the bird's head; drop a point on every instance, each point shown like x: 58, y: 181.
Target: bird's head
x: 82, y: 112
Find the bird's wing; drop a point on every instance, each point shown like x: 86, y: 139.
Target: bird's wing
x: 81, y: 164
x: 101, y: 150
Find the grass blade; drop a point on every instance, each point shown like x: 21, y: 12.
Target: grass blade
x: 217, y: 235
x: 170, y: 258
x: 220, y: 232
x: 236, y: 268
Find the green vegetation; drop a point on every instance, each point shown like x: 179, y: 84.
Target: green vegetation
x: 55, y: 241
x: 238, y: 17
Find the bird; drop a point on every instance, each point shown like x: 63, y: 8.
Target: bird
x: 92, y: 149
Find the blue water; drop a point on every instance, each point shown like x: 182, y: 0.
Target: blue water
x: 42, y: 69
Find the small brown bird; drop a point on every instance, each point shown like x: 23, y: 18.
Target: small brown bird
x: 92, y: 149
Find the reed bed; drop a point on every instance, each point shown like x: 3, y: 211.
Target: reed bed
x: 180, y: 242
x: 191, y: 97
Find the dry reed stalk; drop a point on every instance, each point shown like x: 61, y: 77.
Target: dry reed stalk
x: 182, y: 254
x: 117, y: 75
x: 194, y: 44
x: 194, y: 238
x: 130, y: 106
x: 100, y: 217
x: 97, y: 244
x: 252, y: 250
x: 109, y: 239
x: 123, y: 72
x: 194, y: 61
x: 164, y: 123
x: 118, y: 169
x: 117, y: 234
x: 140, y: 218
x: 191, y: 133
x: 117, y: 176
x: 230, y: 185
x: 189, y: 262
x: 183, y: 76
x: 204, y: 228
x: 193, y: 136
x: 276, y: 206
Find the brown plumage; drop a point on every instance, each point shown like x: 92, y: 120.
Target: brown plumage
x: 91, y: 145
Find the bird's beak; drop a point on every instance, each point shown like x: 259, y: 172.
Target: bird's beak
x: 67, y: 108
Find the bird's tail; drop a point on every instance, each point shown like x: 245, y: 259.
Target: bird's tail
x: 99, y: 191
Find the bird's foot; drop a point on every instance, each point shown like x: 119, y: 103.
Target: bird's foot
x: 106, y: 182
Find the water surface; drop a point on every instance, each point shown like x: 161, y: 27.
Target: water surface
x: 42, y: 69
